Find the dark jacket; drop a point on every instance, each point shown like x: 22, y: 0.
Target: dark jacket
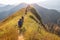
x: 20, y: 22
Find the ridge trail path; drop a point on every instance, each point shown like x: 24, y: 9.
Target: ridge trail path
x: 20, y: 37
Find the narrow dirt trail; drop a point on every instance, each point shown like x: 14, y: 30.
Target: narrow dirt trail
x: 20, y: 37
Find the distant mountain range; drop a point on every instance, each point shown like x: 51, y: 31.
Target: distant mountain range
x: 49, y: 16
x: 7, y: 10
x: 5, y: 7
x: 2, y: 5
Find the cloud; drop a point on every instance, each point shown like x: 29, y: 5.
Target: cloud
x: 51, y: 4
x: 10, y: 2
x: 19, y: 1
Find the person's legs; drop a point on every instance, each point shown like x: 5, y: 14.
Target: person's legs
x: 19, y: 28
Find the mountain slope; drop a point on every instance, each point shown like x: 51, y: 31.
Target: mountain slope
x: 50, y: 18
x: 47, y: 15
x: 6, y: 8
x: 31, y: 30
x: 10, y: 9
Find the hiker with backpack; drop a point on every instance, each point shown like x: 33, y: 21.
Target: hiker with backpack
x: 20, y: 23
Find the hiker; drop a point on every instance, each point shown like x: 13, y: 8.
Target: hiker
x: 20, y: 22
x: 26, y: 11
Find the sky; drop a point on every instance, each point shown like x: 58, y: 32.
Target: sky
x: 15, y: 2
x: 51, y: 4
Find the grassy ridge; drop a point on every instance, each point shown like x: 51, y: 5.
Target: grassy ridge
x: 31, y: 30
x: 35, y: 31
x: 8, y: 28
